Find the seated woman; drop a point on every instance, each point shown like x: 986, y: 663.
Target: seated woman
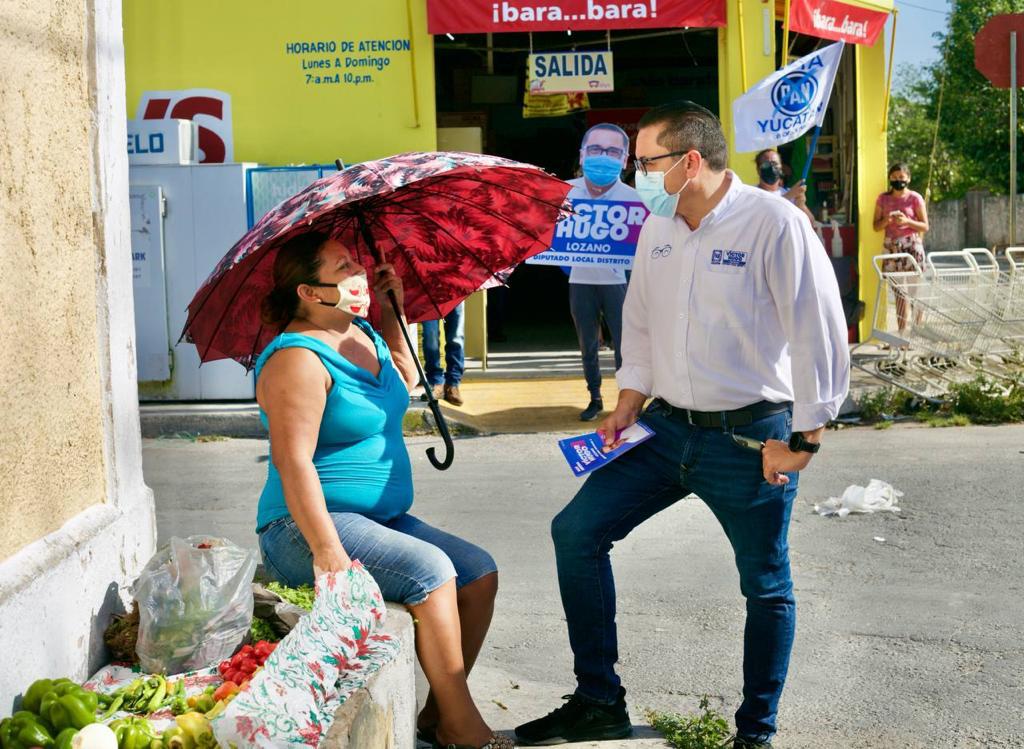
x: 332, y: 392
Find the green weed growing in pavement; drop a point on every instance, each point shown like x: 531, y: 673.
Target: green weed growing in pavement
x: 987, y: 402
x: 883, y: 425
x: 705, y: 731
x: 979, y: 401
x: 938, y: 420
x: 884, y: 401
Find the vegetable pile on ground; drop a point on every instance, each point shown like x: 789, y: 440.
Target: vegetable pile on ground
x: 52, y: 712
x: 60, y: 714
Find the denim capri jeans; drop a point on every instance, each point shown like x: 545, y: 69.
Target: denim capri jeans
x: 408, y: 558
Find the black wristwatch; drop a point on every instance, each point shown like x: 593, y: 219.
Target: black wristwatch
x: 797, y: 443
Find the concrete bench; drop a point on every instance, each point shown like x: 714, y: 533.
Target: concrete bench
x: 382, y: 715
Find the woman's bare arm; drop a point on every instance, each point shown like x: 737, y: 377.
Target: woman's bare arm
x: 292, y: 390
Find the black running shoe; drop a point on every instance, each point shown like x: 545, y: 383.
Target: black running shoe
x: 593, y: 410
x: 578, y: 719
x: 745, y: 742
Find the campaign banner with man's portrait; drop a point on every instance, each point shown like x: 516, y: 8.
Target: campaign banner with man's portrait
x: 599, y: 233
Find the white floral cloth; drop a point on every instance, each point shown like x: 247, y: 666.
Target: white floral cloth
x: 330, y: 653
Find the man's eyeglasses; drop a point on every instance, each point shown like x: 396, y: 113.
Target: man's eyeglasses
x: 642, y: 164
x: 614, y: 151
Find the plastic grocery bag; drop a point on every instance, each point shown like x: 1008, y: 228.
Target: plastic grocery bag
x: 275, y: 611
x: 877, y: 496
x: 195, y: 604
x: 331, y: 652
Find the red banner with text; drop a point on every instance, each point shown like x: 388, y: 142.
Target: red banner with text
x: 483, y: 16
x: 831, y: 19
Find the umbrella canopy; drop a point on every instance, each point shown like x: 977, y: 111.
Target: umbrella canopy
x: 450, y: 223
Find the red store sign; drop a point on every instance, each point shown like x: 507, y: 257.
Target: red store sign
x: 482, y: 16
x: 831, y: 19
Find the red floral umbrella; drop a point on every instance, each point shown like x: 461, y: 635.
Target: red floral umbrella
x: 450, y: 223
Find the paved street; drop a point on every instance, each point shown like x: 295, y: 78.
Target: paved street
x: 911, y: 641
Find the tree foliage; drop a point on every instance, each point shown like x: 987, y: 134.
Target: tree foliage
x: 972, y: 149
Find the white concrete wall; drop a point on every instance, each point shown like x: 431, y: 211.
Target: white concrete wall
x: 947, y: 220
x: 977, y: 221
x: 56, y: 593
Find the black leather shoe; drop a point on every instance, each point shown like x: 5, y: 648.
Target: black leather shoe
x: 578, y: 719
x: 592, y: 411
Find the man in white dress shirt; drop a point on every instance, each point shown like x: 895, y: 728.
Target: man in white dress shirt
x: 733, y: 324
x: 596, y: 290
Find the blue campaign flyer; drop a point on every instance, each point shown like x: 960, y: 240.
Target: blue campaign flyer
x: 586, y: 452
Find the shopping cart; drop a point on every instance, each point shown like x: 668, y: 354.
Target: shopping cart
x: 928, y: 324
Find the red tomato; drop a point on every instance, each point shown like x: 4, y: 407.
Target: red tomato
x: 224, y: 690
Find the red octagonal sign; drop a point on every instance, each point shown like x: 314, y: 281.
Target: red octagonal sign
x: 992, y: 49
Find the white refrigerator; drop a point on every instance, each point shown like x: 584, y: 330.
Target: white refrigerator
x: 184, y: 219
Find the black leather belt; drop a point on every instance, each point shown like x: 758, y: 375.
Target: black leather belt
x: 740, y: 417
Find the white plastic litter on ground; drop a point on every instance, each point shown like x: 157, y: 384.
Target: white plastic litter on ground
x: 877, y: 496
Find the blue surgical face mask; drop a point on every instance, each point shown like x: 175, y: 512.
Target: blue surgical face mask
x: 651, y: 187
x: 601, y: 170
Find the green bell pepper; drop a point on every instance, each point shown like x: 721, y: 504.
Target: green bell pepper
x: 6, y: 727
x: 28, y: 731
x: 80, y: 710
x: 133, y: 733
x: 91, y: 700
x: 63, y: 740
x: 34, y: 694
x: 75, y: 708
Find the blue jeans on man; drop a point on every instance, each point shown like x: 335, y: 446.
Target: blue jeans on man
x: 683, y: 459
x: 454, y: 357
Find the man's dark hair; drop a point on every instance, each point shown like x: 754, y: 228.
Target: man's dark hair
x: 689, y: 126
x: 761, y: 154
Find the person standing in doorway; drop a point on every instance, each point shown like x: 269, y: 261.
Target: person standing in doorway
x: 599, y: 290
x: 901, y: 214
x: 770, y: 179
x: 445, y: 381
x: 734, y: 325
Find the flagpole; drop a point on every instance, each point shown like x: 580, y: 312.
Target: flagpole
x: 743, y: 46
x: 784, y: 58
x: 810, y: 156
x: 888, y: 77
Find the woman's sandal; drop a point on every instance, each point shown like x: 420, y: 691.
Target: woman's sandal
x: 495, y: 742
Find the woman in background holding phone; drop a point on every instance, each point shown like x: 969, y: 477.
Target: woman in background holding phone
x: 901, y: 212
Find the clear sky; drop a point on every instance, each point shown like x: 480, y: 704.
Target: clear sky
x: 918, y: 20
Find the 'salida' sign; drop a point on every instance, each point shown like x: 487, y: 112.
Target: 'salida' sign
x: 568, y: 72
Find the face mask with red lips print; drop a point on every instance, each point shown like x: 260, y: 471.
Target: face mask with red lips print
x: 353, y: 295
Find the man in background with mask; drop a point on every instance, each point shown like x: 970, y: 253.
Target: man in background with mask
x: 733, y: 324
x: 769, y: 172
x: 596, y: 290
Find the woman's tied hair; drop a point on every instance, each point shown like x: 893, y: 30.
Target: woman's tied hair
x: 298, y: 262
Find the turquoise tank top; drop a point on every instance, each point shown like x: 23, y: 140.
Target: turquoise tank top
x: 360, y: 454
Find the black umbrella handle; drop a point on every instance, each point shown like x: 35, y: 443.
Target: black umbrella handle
x: 435, y: 407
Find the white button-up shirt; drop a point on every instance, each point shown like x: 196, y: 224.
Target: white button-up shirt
x: 745, y: 308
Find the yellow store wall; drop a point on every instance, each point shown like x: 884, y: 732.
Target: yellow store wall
x: 239, y: 47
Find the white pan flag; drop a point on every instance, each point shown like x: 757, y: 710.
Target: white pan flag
x: 788, y: 103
